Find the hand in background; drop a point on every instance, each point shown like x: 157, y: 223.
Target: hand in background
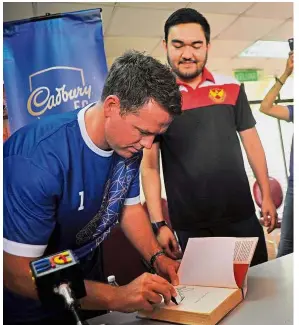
x: 168, y: 242
x: 269, y: 214
x: 290, y: 64
x: 167, y: 268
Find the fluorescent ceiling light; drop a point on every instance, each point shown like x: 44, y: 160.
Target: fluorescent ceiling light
x: 267, y: 49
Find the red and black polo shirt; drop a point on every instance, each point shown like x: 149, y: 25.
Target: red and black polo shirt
x: 205, y: 179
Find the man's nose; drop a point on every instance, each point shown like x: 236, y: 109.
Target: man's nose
x: 187, y: 53
x: 147, y: 142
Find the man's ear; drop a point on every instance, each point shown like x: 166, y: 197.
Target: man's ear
x: 111, y: 105
x: 164, y: 44
x: 208, y: 46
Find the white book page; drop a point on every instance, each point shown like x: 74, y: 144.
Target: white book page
x: 244, y: 250
x: 200, y: 299
x: 208, y: 262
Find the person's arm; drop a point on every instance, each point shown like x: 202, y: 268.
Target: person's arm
x: 29, y: 200
x: 245, y: 126
x: 137, y: 227
x: 28, y: 219
x: 257, y: 160
x: 139, y: 294
x: 267, y: 106
x: 17, y: 278
x: 151, y: 184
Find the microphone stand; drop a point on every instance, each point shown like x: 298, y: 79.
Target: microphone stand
x: 65, y: 291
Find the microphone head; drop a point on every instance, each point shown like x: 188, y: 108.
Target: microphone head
x: 50, y: 271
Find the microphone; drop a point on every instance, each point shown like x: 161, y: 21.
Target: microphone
x: 59, y: 275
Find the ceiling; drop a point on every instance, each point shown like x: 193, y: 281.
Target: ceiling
x: 139, y: 25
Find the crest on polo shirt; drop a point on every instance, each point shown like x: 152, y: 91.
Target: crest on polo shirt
x: 217, y: 95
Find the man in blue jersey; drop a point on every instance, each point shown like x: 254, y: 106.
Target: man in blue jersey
x: 70, y: 177
x: 285, y: 113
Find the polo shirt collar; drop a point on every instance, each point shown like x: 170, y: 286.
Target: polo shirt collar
x: 206, y: 76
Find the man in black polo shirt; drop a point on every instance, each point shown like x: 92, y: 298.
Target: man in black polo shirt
x: 206, y: 184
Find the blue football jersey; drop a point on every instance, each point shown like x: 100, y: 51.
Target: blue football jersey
x: 60, y: 190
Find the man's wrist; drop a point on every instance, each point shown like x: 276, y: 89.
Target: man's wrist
x: 157, y: 225
x: 265, y: 188
x: 280, y: 81
x: 155, y: 257
x: 283, y: 78
x: 158, y: 260
x: 113, y: 299
x: 266, y: 196
x: 266, y: 192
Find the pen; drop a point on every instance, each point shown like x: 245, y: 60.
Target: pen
x: 174, y: 300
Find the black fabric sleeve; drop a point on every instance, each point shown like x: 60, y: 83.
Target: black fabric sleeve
x: 158, y: 138
x: 243, y: 114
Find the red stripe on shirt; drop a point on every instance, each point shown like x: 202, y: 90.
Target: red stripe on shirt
x: 226, y: 94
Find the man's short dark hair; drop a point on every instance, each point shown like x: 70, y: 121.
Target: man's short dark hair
x: 136, y: 78
x: 186, y: 16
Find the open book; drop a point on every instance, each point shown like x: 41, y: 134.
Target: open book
x: 213, y: 281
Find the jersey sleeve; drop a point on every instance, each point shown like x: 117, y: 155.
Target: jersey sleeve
x: 133, y: 196
x: 29, y: 204
x: 243, y: 114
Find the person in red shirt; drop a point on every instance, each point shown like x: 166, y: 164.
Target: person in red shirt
x: 206, y: 184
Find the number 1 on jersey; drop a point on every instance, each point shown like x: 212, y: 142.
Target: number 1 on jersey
x: 81, y: 207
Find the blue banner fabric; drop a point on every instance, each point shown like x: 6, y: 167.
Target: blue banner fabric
x: 52, y: 65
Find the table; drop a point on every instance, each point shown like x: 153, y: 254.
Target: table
x: 269, y: 300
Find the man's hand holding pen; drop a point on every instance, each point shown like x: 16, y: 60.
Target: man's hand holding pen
x: 148, y: 289
x: 142, y: 293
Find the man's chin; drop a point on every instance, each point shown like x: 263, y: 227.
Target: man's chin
x: 188, y: 75
x: 125, y: 153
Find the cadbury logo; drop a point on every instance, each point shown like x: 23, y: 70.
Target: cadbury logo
x: 41, y: 99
